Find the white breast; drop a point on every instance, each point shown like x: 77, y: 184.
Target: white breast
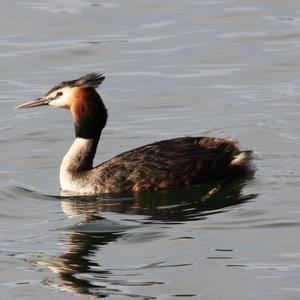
x: 71, y: 179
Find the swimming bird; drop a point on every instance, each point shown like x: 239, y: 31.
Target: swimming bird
x: 161, y: 165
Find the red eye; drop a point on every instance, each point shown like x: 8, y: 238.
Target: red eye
x: 59, y: 94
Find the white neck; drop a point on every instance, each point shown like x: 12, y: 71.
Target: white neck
x: 78, y: 157
x: 76, y: 163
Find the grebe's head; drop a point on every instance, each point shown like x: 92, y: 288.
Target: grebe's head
x: 81, y: 98
x: 69, y: 94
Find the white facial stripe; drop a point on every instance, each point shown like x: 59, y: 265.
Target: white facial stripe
x: 58, y: 103
x: 62, y: 101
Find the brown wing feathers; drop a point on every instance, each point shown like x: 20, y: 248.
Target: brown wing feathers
x: 171, y: 163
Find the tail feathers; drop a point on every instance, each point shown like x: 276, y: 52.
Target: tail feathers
x: 242, y: 161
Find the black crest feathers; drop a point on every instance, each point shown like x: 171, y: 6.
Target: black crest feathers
x: 91, y: 80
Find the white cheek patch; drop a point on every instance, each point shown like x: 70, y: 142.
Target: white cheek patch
x: 62, y: 101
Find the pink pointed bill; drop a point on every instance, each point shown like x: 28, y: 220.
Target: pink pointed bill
x: 34, y: 103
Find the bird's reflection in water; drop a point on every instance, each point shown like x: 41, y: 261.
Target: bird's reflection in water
x: 78, y: 260
x: 77, y: 269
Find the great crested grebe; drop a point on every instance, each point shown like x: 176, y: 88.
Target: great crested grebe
x: 162, y: 165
